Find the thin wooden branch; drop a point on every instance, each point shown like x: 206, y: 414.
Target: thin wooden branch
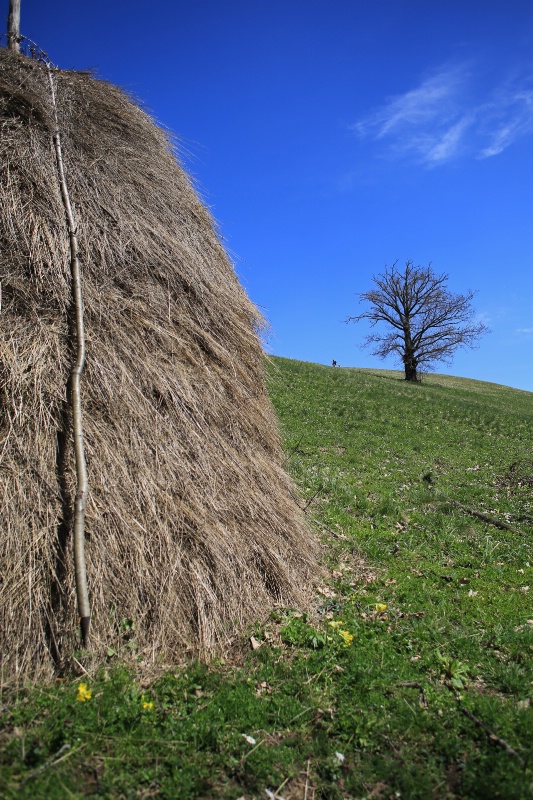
x: 61, y: 754
x: 312, y: 498
x: 80, y: 569
x: 307, y: 778
x: 485, y: 517
x: 492, y: 736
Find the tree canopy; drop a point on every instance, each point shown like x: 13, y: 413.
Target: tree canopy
x: 425, y: 323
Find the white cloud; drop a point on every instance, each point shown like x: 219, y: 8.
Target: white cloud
x: 508, y: 118
x: 437, y: 121
x: 524, y: 331
x: 450, y: 141
x: 419, y: 106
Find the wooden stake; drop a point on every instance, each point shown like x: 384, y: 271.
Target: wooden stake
x: 80, y: 502
x: 13, y: 26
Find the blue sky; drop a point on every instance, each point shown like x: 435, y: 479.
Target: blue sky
x: 331, y: 138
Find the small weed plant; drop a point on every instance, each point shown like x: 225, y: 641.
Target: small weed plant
x: 411, y: 674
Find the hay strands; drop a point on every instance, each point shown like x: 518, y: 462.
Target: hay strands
x: 191, y: 528
x: 80, y: 502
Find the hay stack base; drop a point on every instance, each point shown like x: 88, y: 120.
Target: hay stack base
x: 192, y: 528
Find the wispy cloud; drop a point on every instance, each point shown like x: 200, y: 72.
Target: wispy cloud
x: 438, y: 121
x: 418, y: 106
x: 506, y: 119
x: 525, y: 331
x: 449, y: 141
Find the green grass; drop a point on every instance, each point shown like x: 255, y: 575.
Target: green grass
x: 421, y: 634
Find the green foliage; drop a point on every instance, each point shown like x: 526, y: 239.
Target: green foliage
x: 453, y: 670
x: 427, y: 611
x: 297, y: 632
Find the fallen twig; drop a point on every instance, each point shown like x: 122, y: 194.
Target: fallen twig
x: 307, y: 778
x: 301, y: 714
x: 485, y: 517
x: 312, y: 498
x: 59, y: 756
x: 245, y: 756
x: 79, y: 665
x: 280, y: 787
x: 492, y: 736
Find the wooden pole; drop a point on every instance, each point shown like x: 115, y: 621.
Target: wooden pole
x: 13, y: 26
x: 80, y: 569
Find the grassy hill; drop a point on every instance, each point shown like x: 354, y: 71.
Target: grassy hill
x: 410, y: 676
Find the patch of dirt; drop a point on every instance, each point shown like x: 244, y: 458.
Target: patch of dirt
x: 518, y: 476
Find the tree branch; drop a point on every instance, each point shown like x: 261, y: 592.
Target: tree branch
x: 80, y: 502
x: 492, y: 736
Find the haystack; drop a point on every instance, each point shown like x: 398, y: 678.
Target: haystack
x: 192, y: 527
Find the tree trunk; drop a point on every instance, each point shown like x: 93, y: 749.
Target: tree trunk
x: 13, y: 26
x: 410, y: 371
x: 409, y: 360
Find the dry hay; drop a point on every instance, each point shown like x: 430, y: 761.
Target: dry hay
x: 192, y: 528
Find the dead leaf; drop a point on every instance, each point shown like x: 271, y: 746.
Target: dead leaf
x: 325, y: 591
x: 254, y: 643
x: 378, y: 790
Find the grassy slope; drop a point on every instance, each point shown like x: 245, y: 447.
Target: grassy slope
x: 426, y: 618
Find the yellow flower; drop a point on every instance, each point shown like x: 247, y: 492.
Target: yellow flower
x: 381, y: 607
x: 336, y: 624
x: 347, y: 636
x: 83, y: 693
x: 147, y: 704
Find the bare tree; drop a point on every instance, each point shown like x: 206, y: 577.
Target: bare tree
x: 426, y: 323
x: 13, y: 26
